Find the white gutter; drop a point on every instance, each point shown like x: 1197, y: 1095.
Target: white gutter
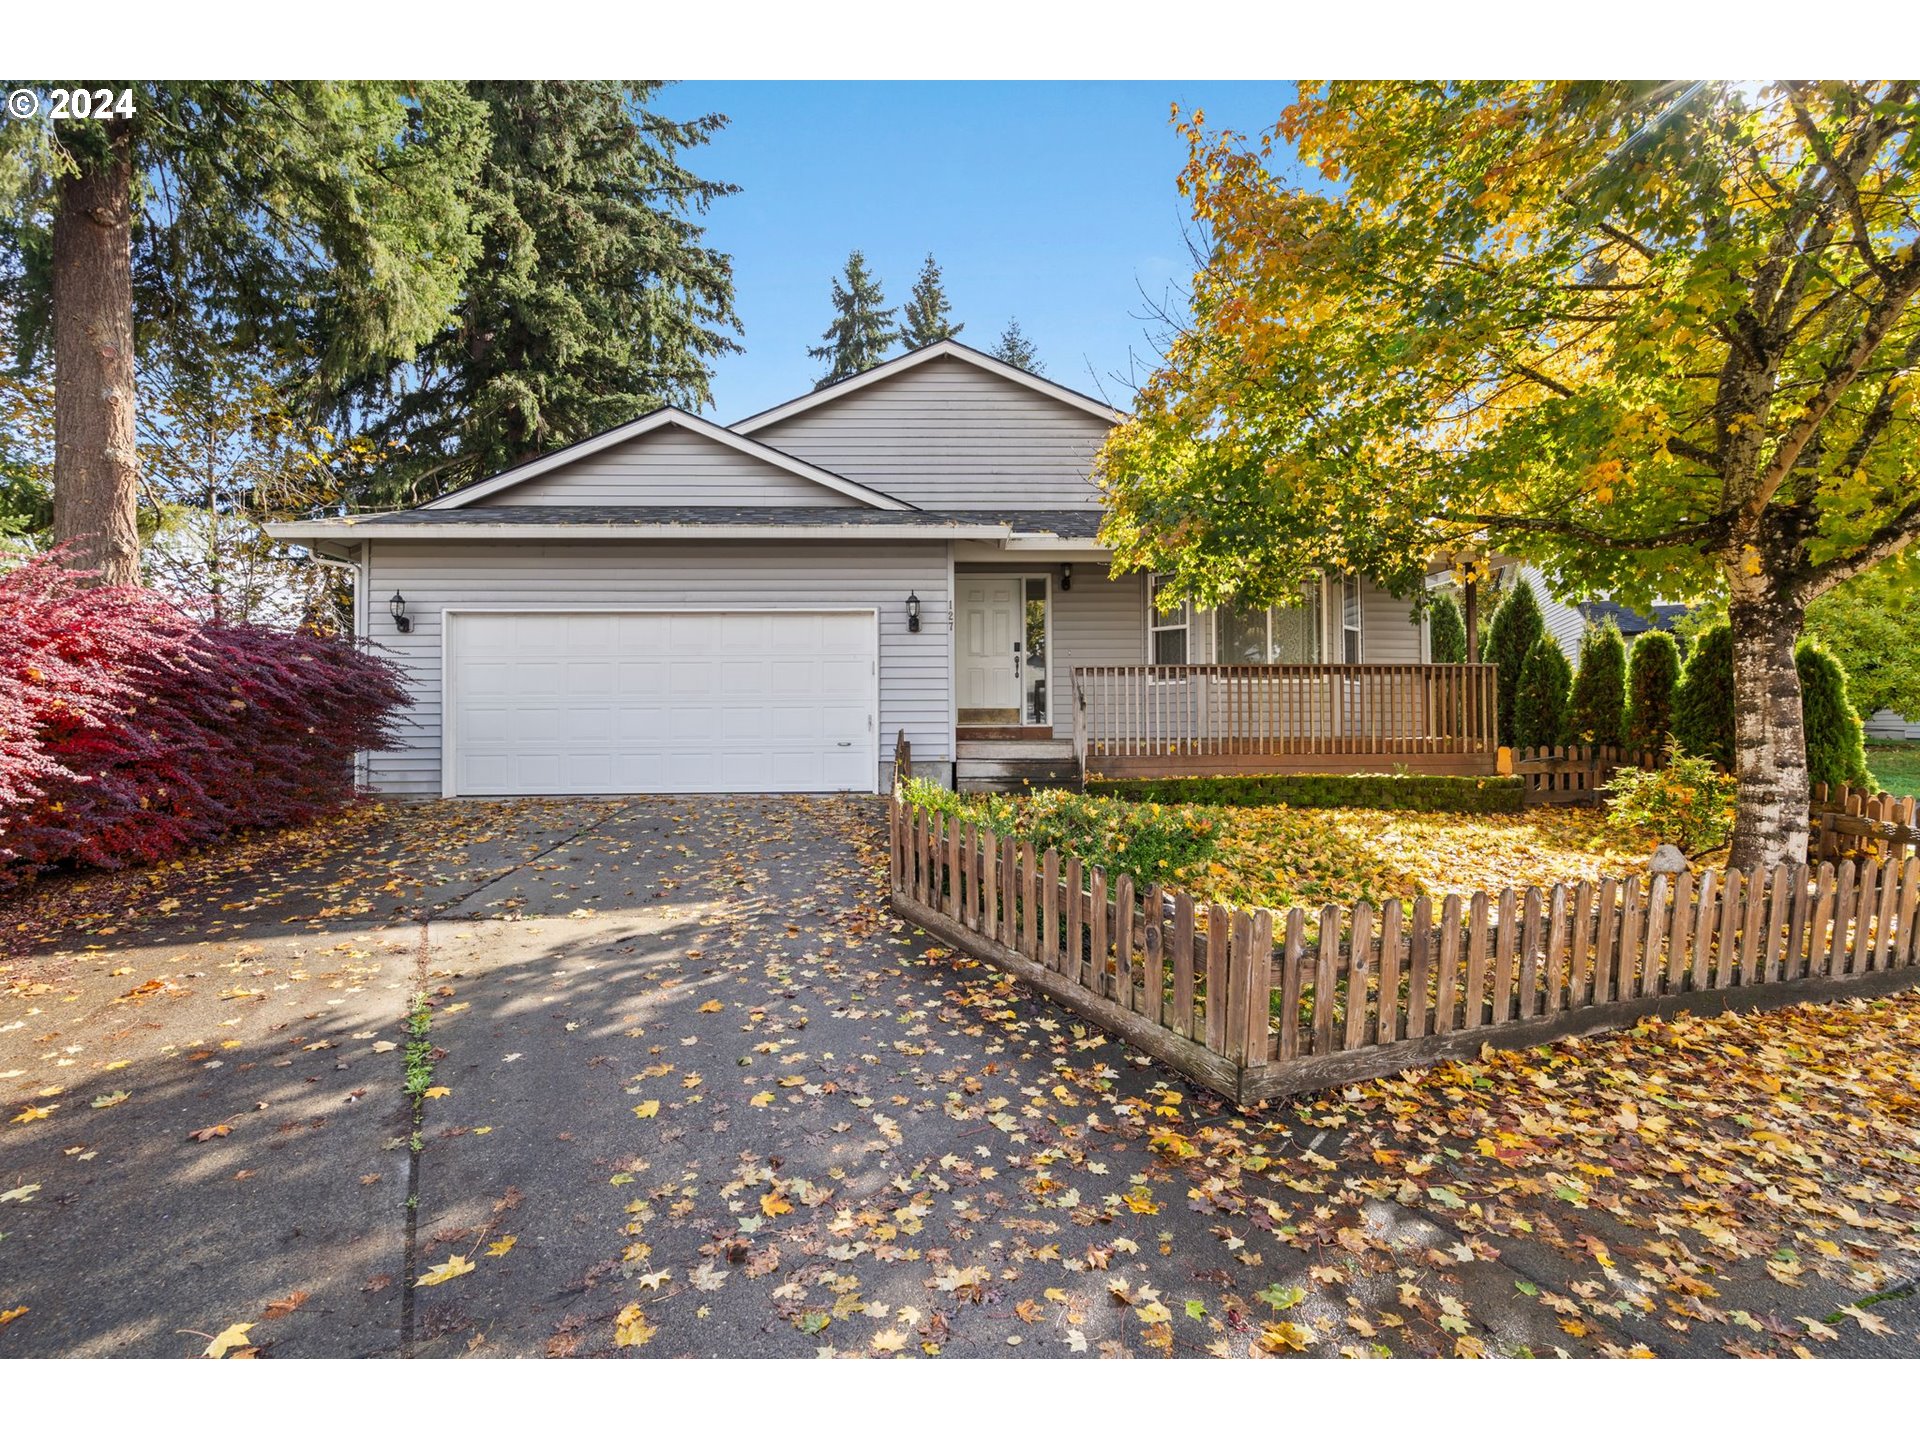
x: 348, y: 531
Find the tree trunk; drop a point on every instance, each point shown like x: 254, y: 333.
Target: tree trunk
x: 1769, y: 730
x: 95, y: 475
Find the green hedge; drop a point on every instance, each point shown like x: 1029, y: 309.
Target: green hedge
x: 1461, y: 794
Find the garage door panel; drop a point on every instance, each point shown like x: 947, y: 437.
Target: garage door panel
x: 611, y: 702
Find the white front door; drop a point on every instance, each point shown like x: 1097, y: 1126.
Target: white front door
x: 991, y: 640
x: 663, y: 702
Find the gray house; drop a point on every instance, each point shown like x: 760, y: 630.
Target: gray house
x: 677, y: 606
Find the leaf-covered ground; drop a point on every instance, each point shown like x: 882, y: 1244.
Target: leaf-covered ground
x: 1281, y: 856
x: 684, y: 1086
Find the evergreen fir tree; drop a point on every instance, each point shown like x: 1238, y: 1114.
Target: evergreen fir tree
x: 1703, y: 705
x: 1542, y: 701
x: 1600, y: 691
x: 862, y: 330
x: 1835, y: 746
x: 1014, y: 348
x: 1446, y: 632
x: 1510, y: 634
x: 595, y: 299
x: 1653, y: 673
x: 929, y: 316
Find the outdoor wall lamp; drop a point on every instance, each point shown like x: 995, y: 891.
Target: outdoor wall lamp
x: 1066, y: 577
x: 397, y: 607
x: 913, y: 613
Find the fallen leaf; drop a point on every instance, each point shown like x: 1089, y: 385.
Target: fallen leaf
x: 455, y: 1266
x: 279, y: 1309
x: 231, y: 1338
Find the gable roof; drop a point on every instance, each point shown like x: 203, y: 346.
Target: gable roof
x: 666, y: 415
x: 939, y: 350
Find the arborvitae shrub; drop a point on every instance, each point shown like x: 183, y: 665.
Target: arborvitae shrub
x: 1540, y: 707
x: 1599, y: 709
x: 1510, y: 634
x: 1653, y: 674
x: 1835, y: 736
x: 1446, y: 632
x: 134, y: 732
x: 1703, y: 704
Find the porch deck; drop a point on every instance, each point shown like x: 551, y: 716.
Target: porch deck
x: 1148, y: 721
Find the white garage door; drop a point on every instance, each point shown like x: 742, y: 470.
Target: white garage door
x: 661, y: 702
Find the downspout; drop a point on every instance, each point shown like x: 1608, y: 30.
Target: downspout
x: 357, y: 569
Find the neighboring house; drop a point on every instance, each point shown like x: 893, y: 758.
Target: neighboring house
x: 677, y: 606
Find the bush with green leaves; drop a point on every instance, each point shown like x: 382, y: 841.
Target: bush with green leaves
x: 1598, y: 715
x: 1147, y: 841
x: 1836, y: 751
x: 1510, y: 635
x: 1687, y: 803
x: 1446, y: 632
x: 1653, y: 674
x: 1458, y: 794
x: 1703, y: 704
x: 1540, y: 707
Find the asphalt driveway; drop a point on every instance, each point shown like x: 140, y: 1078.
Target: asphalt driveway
x: 695, y: 1091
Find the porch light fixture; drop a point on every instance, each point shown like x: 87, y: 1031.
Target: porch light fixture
x: 397, y: 607
x: 1066, y: 577
x: 913, y: 613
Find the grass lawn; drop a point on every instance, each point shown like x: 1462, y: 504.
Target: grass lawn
x: 1896, y: 765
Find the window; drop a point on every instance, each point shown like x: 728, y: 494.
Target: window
x: 1166, y: 630
x: 1034, y: 697
x: 1349, y: 619
x: 1279, y: 635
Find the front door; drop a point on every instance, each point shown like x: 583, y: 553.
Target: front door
x: 990, y: 649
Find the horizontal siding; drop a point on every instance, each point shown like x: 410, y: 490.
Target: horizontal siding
x: 916, y: 671
x: 948, y: 436
x: 669, y: 466
x: 1562, y: 620
x: 1098, y: 622
x: 1888, y: 725
x: 1389, y: 635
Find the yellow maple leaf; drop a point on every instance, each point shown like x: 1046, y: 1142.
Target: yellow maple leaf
x: 32, y: 1113
x: 435, y: 1092
x: 7, y: 1317
x: 647, y: 1109
x: 455, y: 1266
x: 889, y: 1342
x: 763, y: 1099
x: 630, y: 1327
x: 772, y: 1204
x: 712, y: 1007
x: 232, y: 1338
x: 502, y: 1245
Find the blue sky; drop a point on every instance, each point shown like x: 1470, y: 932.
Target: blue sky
x: 1051, y: 202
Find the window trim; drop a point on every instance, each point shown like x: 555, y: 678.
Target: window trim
x: 1160, y: 622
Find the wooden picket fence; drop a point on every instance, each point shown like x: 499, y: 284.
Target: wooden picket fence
x: 1858, y: 824
x: 1256, y: 1003
x: 1575, y: 774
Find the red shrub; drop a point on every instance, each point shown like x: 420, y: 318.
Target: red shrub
x: 130, y: 731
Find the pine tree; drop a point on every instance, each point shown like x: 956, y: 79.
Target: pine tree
x: 1703, y: 705
x: 1446, y: 632
x: 1542, y: 701
x: 1653, y: 673
x: 1835, y: 750
x: 1600, y: 691
x: 1510, y: 634
x: 862, y: 330
x: 1014, y: 348
x: 597, y: 299
x: 929, y: 316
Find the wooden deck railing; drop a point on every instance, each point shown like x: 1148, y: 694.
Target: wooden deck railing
x: 1257, y: 1003
x: 1193, y: 719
